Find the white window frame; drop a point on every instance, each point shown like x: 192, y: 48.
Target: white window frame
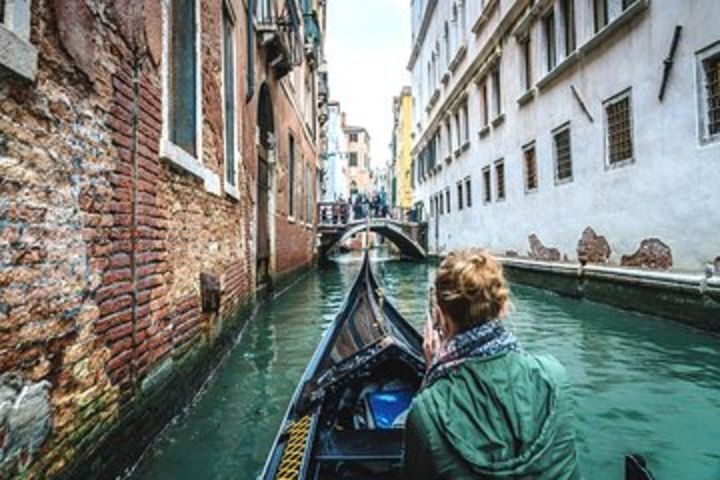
x: 18, y: 55
x: 496, y: 164
x: 627, y: 93
x: 169, y: 150
x: 230, y: 189
x: 704, y: 137
x: 527, y: 147
x: 486, y: 175
x: 556, y: 169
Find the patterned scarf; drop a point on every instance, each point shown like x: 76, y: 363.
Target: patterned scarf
x: 484, y: 341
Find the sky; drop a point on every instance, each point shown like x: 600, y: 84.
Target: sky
x: 367, y: 48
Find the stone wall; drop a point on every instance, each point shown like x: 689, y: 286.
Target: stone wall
x: 103, y: 242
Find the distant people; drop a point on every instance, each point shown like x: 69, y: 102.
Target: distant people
x: 487, y: 409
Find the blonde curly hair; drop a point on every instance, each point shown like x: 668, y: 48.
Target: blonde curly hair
x: 470, y: 288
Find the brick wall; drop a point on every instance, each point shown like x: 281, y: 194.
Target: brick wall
x: 102, y: 242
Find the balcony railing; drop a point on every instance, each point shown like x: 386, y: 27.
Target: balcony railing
x: 280, y: 34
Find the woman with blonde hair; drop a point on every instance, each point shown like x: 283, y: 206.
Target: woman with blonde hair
x: 487, y: 409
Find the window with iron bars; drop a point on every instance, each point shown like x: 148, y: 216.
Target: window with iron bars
x: 487, y: 185
x: 500, y: 179
x: 530, y: 164
x: 619, y: 131
x: 711, y: 66
x: 468, y: 193
x: 563, y: 154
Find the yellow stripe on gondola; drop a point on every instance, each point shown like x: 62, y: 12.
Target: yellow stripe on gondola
x: 294, y: 453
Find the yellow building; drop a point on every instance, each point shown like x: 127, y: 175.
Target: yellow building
x: 402, y: 150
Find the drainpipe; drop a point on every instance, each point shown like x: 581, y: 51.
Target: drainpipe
x: 250, y: 51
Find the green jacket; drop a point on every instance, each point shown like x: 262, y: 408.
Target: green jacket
x: 506, y: 417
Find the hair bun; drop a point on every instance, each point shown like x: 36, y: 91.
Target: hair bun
x: 470, y: 287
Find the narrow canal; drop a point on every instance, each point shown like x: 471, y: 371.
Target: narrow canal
x: 642, y: 384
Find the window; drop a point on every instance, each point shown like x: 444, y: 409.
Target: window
x: 448, y: 127
x: 465, y: 123
x: 463, y: 20
x: 352, y: 159
x: 2, y: 11
x: 460, y: 195
x: 497, y: 94
x: 600, y: 14
x: 568, y: 18
x: 291, y: 175
x: 485, y: 106
x: 182, y: 76
x: 442, y: 204
x: 530, y: 166
x: 709, y: 92
x: 468, y: 193
x: 618, y: 128
x: 446, y: 38
x: 447, y: 199
x: 458, y: 130
x: 563, y: 157
x: 500, y: 179
x: 551, y: 52
x: 353, y: 137
x: 487, y: 186
x: 229, y: 91
x: 527, y: 64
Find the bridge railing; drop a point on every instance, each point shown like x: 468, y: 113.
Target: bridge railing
x: 333, y: 213
x: 341, y: 213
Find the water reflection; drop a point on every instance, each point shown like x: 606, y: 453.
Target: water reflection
x: 641, y: 384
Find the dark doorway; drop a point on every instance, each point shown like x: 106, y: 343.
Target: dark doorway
x: 265, y: 149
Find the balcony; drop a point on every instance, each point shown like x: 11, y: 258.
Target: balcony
x: 279, y: 35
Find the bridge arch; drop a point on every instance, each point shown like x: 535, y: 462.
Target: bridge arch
x: 385, y: 228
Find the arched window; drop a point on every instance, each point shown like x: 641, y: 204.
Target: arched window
x: 447, y: 44
x: 455, y: 26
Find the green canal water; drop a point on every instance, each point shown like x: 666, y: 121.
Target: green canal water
x: 641, y: 384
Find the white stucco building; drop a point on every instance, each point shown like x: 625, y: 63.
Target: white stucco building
x: 538, y: 119
x: 335, y: 165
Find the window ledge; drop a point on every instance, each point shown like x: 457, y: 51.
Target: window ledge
x: 17, y: 55
x: 465, y: 145
x: 446, y: 77
x: 531, y: 191
x: 180, y: 158
x: 619, y: 164
x: 483, y: 132
x: 232, y: 191
x: 608, y: 30
x: 499, y: 120
x: 459, y: 56
x: 629, y: 13
x: 448, y: 159
x: 484, y: 16
x: 526, y: 97
x: 291, y: 219
x: 433, y: 100
x: 457, y: 152
x: 561, y: 67
x: 564, y: 181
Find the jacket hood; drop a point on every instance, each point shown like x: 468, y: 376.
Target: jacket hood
x: 500, y: 417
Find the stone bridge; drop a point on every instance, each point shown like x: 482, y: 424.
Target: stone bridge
x: 335, y: 227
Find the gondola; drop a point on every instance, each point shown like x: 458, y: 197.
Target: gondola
x: 346, y: 417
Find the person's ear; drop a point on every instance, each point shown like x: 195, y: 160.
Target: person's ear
x: 444, y: 322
